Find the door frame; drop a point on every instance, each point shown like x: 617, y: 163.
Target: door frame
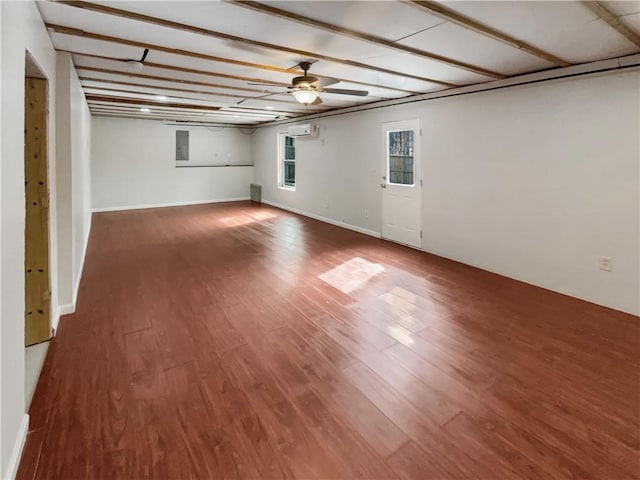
x: 414, y: 124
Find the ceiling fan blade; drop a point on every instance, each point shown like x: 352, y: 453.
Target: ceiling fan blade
x: 260, y: 96
x: 317, y: 101
x: 144, y: 55
x: 325, y: 82
x: 268, y: 84
x: 343, y: 91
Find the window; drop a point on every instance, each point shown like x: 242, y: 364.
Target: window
x: 400, y: 161
x: 287, y: 162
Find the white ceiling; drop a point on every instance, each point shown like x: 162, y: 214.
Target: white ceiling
x: 193, y: 84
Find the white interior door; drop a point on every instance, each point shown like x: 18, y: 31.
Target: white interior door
x: 401, y: 183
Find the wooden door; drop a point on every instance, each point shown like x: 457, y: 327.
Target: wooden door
x: 401, y: 181
x: 37, y: 282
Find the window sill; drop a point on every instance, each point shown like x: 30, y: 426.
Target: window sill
x: 284, y: 187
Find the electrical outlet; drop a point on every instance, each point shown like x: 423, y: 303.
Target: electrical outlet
x: 366, y: 214
x: 606, y: 264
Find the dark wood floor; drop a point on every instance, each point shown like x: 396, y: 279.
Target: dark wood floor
x: 236, y: 340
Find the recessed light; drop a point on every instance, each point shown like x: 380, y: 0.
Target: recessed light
x: 145, y: 110
x: 269, y: 107
x: 160, y: 97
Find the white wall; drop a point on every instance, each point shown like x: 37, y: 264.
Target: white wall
x: 73, y: 180
x: 133, y: 164
x: 21, y: 29
x: 533, y: 182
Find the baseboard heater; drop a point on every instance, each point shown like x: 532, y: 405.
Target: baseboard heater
x: 256, y: 193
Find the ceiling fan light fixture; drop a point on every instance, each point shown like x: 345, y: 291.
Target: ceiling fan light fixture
x: 305, y: 96
x: 134, y: 65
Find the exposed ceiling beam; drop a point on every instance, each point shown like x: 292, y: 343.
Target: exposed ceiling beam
x: 153, y: 77
x: 214, y: 34
x: 438, y: 10
x: 221, y: 114
x: 601, y: 11
x: 90, y: 90
x: 121, y: 102
x: 165, y: 79
x: 214, y: 94
x: 169, y: 113
x: 115, y: 105
x: 277, y: 12
x: 115, y: 109
x: 160, y: 48
x: 171, y: 89
x: 144, y: 116
x: 156, y: 115
x: 69, y: 31
x: 149, y: 102
x: 176, y: 69
x: 123, y: 109
x: 187, y: 70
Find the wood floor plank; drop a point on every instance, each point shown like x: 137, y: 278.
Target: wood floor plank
x: 238, y: 340
x: 410, y: 462
x: 440, y: 451
x: 247, y: 371
x: 504, y: 460
x: 358, y: 459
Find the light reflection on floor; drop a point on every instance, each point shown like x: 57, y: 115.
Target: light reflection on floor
x: 400, y: 334
x: 351, y: 275
x: 245, y: 220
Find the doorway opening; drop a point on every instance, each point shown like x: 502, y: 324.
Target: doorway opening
x: 37, y: 287
x: 37, y: 272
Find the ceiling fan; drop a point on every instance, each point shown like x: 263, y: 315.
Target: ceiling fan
x: 306, y: 89
x: 136, y: 64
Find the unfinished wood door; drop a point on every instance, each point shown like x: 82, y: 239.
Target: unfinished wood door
x: 36, y: 233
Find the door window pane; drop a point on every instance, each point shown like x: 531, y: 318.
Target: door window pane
x: 400, y: 157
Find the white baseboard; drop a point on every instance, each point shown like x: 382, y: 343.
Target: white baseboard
x: 18, y: 446
x: 170, y: 204
x: 70, y: 308
x: 331, y: 221
x: 76, y: 287
x: 67, y: 309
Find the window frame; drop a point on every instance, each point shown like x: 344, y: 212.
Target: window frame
x: 282, y: 161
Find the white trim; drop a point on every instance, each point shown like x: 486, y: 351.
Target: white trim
x: 170, y: 204
x: 330, y: 221
x: 16, y: 453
